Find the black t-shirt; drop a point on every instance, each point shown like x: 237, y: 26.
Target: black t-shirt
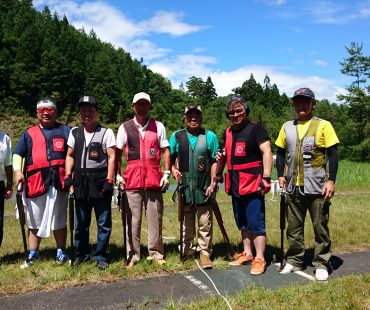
x: 258, y: 134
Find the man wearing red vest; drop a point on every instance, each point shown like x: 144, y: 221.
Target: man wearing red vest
x: 144, y: 141
x: 43, y: 148
x: 249, y: 161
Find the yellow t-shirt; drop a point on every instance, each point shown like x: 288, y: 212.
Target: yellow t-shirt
x: 325, y: 137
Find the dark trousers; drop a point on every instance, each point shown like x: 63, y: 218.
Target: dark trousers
x: 2, y: 197
x: 103, y: 215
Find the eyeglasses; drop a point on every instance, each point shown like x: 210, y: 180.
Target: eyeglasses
x: 46, y: 110
x: 236, y: 112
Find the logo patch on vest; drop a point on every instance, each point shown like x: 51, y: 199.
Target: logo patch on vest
x: 152, y: 152
x: 58, y: 145
x: 240, y: 148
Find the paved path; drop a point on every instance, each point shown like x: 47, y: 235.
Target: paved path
x: 180, y: 288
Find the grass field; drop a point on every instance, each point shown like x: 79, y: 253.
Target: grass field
x: 349, y: 224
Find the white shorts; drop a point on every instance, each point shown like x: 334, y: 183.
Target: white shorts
x: 48, y: 211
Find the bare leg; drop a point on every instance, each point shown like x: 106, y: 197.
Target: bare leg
x: 33, y: 240
x: 60, y: 236
x: 259, y: 242
x: 247, y: 244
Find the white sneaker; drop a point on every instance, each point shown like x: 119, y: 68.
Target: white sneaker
x: 288, y: 268
x: 321, y: 275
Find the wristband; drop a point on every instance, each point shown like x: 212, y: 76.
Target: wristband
x: 110, y: 181
x: 67, y: 176
x: 167, y: 172
x: 267, y: 179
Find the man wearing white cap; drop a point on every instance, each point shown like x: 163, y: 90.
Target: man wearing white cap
x: 43, y: 149
x: 144, y: 141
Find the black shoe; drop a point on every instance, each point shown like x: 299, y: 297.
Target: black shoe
x: 102, y: 265
x: 81, y: 260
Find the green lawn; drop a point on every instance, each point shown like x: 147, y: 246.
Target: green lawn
x: 349, y: 224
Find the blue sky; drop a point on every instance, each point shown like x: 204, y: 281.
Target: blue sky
x: 297, y: 43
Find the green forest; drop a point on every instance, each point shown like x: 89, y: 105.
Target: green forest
x: 41, y: 54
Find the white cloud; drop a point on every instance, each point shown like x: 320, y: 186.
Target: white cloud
x: 111, y: 25
x: 320, y: 62
x: 178, y: 71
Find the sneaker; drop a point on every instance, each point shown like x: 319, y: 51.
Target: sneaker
x: 205, y: 261
x: 62, y: 258
x: 129, y: 265
x: 287, y: 268
x: 258, y: 266
x: 158, y: 261
x: 321, y: 274
x: 30, y: 261
x: 241, y: 259
x: 102, y: 265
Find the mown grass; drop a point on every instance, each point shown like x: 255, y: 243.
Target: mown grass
x: 349, y: 218
x: 351, y: 292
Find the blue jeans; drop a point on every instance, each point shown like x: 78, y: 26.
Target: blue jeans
x: 2, y: 197
x: 103, y: 215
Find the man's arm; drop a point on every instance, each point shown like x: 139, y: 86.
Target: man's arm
x: 111, y: 152
x: 166, y: 158
x: 329, y: 186
x: 280, y: 166
x: 265, y: 149
x: 9, y: 181
x: 70, y: 160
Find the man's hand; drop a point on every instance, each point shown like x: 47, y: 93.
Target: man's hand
x: 108, y: 187
x: 328, y: 190
x: 9, y: 190
x: 265, y: 185
x: 165, y: 181
x: 220, y: 155
x: 211, y: 189
x: 68, y: 181
x: 120, y: 182
x: 18, y: 177
x: 282, y: 182
x: 177, y: 175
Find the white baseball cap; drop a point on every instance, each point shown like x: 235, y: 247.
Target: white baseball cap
x: 141, y: 96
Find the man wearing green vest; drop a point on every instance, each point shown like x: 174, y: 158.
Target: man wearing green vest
x: 195, y: 150
x: 307, y: 141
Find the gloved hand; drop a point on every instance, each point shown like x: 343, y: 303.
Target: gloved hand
x: 108, y: 187
x: 265, y: 185
x: 165, y: 181
x: 120, y: 182
x: 68, y: 181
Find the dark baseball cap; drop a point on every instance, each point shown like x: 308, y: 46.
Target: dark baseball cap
x: 193, y: 107
x: 305, y: 92
x: 87, y: 99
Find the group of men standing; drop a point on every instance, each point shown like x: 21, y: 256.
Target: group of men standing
x: 52, y: 159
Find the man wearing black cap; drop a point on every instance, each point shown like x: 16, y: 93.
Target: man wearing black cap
x: 307, y: 141
x: 249, y: 161
x: 195, y: 149
x: 91, y: 156
x: 144, y: 141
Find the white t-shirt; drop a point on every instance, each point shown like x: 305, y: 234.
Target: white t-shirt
x: 161, y: 131
x: 108, y: 139
x: 5, y: 154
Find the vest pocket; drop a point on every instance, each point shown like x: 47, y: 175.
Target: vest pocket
x: 35, y: 185
x: 248, y: 183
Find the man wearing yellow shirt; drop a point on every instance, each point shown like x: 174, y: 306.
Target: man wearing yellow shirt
x: 304, y: 146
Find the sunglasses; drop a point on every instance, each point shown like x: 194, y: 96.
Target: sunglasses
x: 236, y: 112
x: 46, y: 110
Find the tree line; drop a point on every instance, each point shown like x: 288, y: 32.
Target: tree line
x: 41, y: 54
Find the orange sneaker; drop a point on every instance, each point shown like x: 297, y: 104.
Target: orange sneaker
x: 241, y: 259
x: 258, y: 266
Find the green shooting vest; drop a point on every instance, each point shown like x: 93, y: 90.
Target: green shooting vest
x: 195, y: 167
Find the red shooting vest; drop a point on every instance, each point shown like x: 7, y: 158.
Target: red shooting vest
x: 143, y: 155
x: 244, y: 177
x: 46, y: 163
